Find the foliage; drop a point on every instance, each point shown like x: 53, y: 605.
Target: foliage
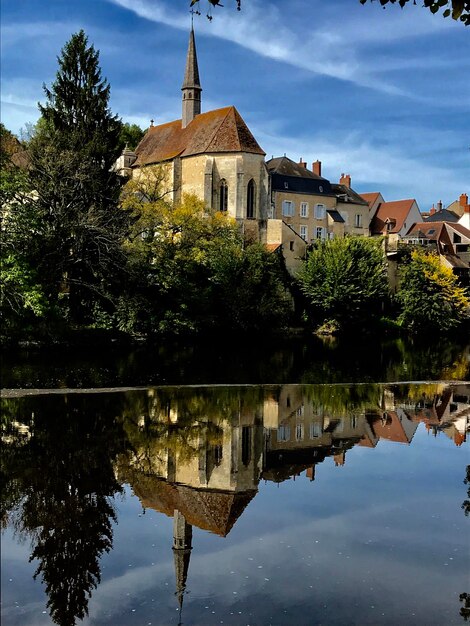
x: 430, y: 296
x: 457, y: 9
x: 76, y: 242
x: 130, y: 136
x: 344, y: 281
x: 190, y: 268
x: 58, y: 479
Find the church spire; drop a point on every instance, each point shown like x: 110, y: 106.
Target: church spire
x: 182, y: 540
x: 191, y: 85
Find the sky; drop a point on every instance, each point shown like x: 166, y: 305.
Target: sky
x: 382, y: 95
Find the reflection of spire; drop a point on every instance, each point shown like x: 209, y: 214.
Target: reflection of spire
x: 182, y: 536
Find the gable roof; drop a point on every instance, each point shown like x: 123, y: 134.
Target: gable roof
x: 394, y: 212
x: 222, y: 130
x: 426, y: 230
x: 444, y: 215
x: 345, y: 194
x: 287, y: 167
x: 370, y: 198
x: 287, y: 175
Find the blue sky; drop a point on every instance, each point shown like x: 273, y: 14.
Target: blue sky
x: 383, y: 95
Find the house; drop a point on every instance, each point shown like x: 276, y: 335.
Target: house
x: 395, y: 217
x: 303, y: 199
x: 352, y: 207
x: 451, y: 240
x: 311, y: 205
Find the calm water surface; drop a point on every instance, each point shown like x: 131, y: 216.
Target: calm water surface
x: 143, y: 500
x: 282, y: 504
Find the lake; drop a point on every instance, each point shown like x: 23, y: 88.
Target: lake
x: 312, y: 486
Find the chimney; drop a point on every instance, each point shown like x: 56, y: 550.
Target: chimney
x: 439, y: 205
x: 463, y: 201
x: 345, y: 180
x: 302, y: 164
x: 316, y: 168
x: 432, y: 211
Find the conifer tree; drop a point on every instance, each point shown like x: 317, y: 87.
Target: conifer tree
x: 81, y: 227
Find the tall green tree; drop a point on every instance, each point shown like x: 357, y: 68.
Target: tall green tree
x: 76, y: 243
x: 345, y: 281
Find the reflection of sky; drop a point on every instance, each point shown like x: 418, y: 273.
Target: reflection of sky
x: 381, y: 540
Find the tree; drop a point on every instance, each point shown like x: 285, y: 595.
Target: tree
x: 79, y: 227
x: 429, y: 294
x: 130, y: 136
x: 65, y: 505
x: 344, y: 281
x: 191, y: 270
x: 457, y: 9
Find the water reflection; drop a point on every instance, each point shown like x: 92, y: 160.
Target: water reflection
x: 195, y: 454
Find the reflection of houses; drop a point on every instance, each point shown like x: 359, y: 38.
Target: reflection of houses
x: 199, y: 459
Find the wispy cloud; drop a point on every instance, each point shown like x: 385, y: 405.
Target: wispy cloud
x: 324, y: 50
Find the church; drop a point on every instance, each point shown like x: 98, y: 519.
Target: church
x: 212, y: 155
x: 215, y: 156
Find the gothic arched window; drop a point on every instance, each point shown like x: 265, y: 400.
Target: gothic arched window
x: 250, y: 199
x: 223, y: 195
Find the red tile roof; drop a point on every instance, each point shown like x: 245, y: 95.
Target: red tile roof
x: 222, y: 130
x: 396, y: 211
x: 370, y: 198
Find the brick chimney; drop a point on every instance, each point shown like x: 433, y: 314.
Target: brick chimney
x: 345, y: 180
x: 302, y: 163
x: 316, y: 168
x: 432, y: 211
x: 463, y: 201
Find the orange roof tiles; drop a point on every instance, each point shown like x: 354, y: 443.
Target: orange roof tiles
x: 370, y: 198
x: 396, y: 211
x: 222, y: 130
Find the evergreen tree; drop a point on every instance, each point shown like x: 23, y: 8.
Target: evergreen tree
x: 77, y: 244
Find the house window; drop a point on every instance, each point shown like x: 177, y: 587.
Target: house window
x: 320, y: 232
x: 246, y: 445
x: 358, y: 220
x: 291, y: 246
x: 286, y: 185
x: 223, y: 195
x: 315, y: 430
x: 250, y: 200
x: 283, y: 433
x: 303, y: 232
x: 288, y: 208
x: 304, y: 209
x: 320, y: 211
x: 299, y: 432
x: 331, y: 235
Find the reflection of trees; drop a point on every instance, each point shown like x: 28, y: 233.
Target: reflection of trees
x: 61, y: 476
x: 340, y: 400
x: 466, y: 503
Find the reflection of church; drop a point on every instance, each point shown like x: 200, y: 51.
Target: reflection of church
x: 204, y: 466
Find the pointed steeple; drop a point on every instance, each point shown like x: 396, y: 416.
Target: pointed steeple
x: 182, y: 540
x: 191, y: 85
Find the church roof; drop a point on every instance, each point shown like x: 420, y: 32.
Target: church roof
x: 214, y: 511
x: 222, y: 130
